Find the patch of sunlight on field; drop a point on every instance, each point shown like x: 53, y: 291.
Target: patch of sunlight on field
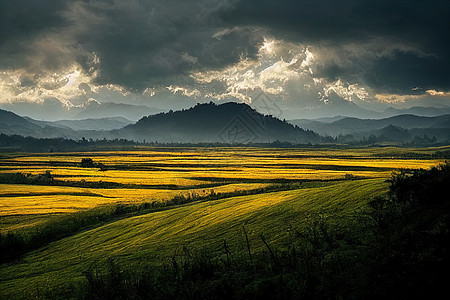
x: 67, y: 171
x: 156, y: 236
x: 27, y: 189
x: 144, y: 195
x: 48, y: 204
x: 297, y: 174
x: 196, y: 170
x: 117, y: 176
x: 135, y: 177
x: 182, y: 178
x: 54, y: 199
x: 393, y: 163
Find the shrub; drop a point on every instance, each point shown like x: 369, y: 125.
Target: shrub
x: 423, y: 186
x: 87, y: 163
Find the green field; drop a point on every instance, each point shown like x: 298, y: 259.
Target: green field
x: 272, y: 192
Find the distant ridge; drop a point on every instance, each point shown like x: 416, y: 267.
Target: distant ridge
x: 54, y: 110
x: 233, y: 123
x: 97, y: 110
x: 228, y: 123
x: 103, y: 124
x: 351, y: 125
x: 11, y: 124
x: 418, y: 111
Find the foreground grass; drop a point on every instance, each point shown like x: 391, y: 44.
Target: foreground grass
x: 154, y: 237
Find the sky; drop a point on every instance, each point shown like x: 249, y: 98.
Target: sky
x: 60, y: 56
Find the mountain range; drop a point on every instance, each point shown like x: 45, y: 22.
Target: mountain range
x: 11, y: 124
x: 236, y: 123
x: 342, y: 109
x: 95, y: 109
x: 225, y: 123
x: 349, y: 125
x: 336, y: 106
x: 101, y: 124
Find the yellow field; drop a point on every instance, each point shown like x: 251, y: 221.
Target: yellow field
x: 160, y: 174
x: 186, y: 168
x: 156, y: 236
x: 62, y: 212
x: 32, y: 199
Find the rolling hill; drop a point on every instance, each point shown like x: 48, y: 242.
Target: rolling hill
x: 227, y: 123
x: 11, y: 124
x: 151, y: 238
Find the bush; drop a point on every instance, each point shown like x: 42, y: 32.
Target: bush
x: 423, y: 186
x: 412, y: 235
x: 87, y: 163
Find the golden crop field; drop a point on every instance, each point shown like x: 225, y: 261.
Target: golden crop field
x: 31, y: 199
x: 161, y: 174
x: 153, y: 236
x: 146, y: 206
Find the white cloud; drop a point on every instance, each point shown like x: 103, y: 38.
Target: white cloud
x: 283, y: 70
x: 431, y: 97
x: 438, y: 93
x: 183, y: 91
x: 346, y: 91
x: 71, y: 86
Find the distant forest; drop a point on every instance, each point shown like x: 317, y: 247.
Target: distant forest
x: 13, y: 143
x: 17, y: 143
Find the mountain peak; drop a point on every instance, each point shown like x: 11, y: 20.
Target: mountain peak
x: 229, y: 122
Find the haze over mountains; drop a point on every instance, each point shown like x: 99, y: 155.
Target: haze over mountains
x: 54, y: 110
x: 337, y: 106
x: 226, y: 123
x: 239, y: 123
x: 401, y: 129
x: 349, y: 125
x: 11, y: 124
x: 107, y: 123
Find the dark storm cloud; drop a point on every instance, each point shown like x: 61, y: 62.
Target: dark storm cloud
x: 21, y: 22
x: 138, y: 43
x: 24, y: 18
x: 142, y: 43
x: 317, y: 19
x: 420, y: 25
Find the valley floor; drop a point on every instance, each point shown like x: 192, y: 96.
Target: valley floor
x: 145, y: 209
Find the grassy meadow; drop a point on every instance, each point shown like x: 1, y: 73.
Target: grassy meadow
x: 148, y: 207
